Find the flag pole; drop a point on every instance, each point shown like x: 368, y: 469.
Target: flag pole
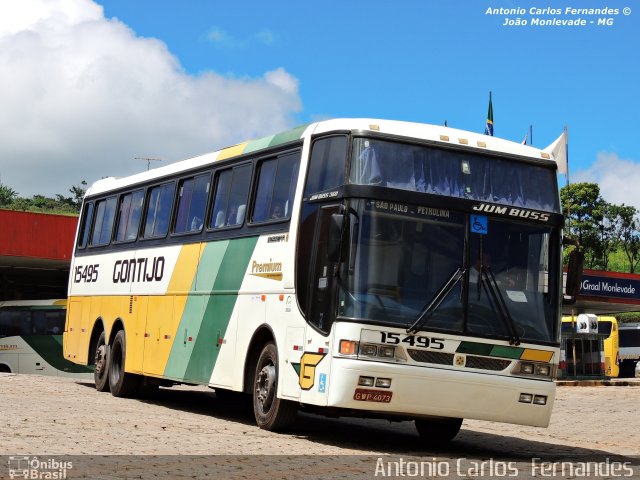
x: 566, y: 149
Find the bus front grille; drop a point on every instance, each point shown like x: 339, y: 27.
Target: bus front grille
x: 472, y: 361
x: 483, y: 363
x: 425, y: 356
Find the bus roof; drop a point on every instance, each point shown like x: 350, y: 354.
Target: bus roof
x: 436, y: 133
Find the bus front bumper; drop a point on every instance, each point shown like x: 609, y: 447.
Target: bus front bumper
x: 423, y: 391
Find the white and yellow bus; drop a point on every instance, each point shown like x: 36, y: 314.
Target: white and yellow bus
x: 31, y: 339
x: 347, y: 267
x: 608, y: 328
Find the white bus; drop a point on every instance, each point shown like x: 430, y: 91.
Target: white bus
x: 31, y: 339
x: 347, y: 267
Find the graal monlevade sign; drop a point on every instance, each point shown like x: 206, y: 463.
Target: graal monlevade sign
x: 600, y: 286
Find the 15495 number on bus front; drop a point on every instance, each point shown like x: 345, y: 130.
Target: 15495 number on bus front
x: 412, y: 340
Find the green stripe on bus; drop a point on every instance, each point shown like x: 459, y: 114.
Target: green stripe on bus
x: 49, y: 347
x: 288, y: 136
x: 506, y: 352
x: 191, y: 320
x: 475, y: 348
x: 207, y: 313
x: 219, y: 308
x: 258, y: 144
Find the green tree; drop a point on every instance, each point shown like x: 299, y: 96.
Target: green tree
x: 7, y: 195
x: 625, y: 228
x: 78, y: 192
x: 584, y: 210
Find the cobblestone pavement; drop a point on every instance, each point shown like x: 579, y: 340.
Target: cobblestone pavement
x: 52, y: 416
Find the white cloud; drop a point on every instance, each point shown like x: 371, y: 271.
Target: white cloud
x: 223, y: 39
x: 82, y: 95
x: 618, y: 178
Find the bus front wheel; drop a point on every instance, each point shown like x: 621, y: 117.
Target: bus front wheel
x: 101, y: 361
x: 436, y: 431
x: 271, y: 412
x: 121, y: 384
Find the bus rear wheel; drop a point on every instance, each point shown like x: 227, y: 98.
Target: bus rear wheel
x: 101, y: 362
x: 271, y: 412
x: 121, y: 384
x: 436, y: 431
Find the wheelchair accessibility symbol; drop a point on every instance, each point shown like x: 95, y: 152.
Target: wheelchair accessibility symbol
x: 479, y: 224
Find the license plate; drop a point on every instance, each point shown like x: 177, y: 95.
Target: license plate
x: 366, y: 395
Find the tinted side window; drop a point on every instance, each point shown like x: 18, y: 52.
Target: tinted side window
x: 15, y: 322
x: 129, y: 216
x: 192, y: 201
x: 326, y: 165
x: 85, y: 228
x: 160, y: 201
x: 230, y: 202
x: 276, y: 185
x: 48, y: 322
x: 103, y: 224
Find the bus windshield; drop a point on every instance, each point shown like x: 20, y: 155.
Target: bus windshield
x: 407, y: 263
x: 456, y: 174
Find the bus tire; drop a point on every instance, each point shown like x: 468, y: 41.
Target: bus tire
x: 4, y: 368
x: 437, y: 431
x: 122, y: 384
x: 272, y: 413
x: 101, y: 362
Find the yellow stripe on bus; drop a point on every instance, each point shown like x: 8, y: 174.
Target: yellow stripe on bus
x: 165, y: 312
x: 536, y: 355
x: 230, y: 152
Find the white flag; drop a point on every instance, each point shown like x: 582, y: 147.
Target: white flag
x: 558, y: 151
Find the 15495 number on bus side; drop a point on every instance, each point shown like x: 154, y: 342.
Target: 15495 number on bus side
x: 85, y: 273
x: 412, y: 340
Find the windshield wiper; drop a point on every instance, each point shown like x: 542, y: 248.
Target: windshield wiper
x: 490, y: 284
x: 437, y: 300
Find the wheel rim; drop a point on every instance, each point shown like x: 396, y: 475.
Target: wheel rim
x: 265, y: 388
x: 101, y: 361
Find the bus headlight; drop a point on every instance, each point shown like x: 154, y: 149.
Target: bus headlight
x: 368, y: 350
x: 542, y: 370
x: 533, y: 369
x: 527, y: 368
x: 387, y: 352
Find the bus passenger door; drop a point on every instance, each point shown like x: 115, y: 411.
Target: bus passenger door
x: 315, y: 361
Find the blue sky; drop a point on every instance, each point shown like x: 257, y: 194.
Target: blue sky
x: 426, y: 61
x: 422, y: 61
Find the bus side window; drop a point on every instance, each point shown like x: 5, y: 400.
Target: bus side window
x: 277, y: 180
x: 87, y: 216
x: 15, y: 322
x: 229, y: 204
x: 326, y: 165
x: 48, y: 322
x: 160, y: 201
x: 129, y: 216
x: 103, y: 225
x: 192, y: 201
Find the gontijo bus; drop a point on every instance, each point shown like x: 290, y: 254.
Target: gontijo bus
x: 31, y: 339
x: 348, y: 267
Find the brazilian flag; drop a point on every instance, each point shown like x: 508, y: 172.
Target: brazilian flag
x: 488, y: 130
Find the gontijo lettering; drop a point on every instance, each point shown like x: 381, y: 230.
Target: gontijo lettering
x: 138, y: 270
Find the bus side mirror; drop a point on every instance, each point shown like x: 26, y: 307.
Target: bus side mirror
x: 335, y: 236
x: 574, y: 273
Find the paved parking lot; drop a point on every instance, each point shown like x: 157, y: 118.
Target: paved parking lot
x: 52, y: 416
